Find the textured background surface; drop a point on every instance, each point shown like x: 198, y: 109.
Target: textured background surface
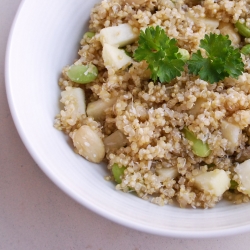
x: 35, y: 214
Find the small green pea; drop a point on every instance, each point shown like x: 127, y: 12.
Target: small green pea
x: 199, y: 147
x: 184, y: 54
x: 88, y: 34
x: 245, y: 50
x: 117, y: 172
x: 242, y: 29
x: 82, y: 73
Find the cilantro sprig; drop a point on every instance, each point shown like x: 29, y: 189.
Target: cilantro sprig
x: 222, y: 59
x: 165, y: 61
x: 161, y: 54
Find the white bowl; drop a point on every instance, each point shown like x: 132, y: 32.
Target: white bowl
x: 45, y: 37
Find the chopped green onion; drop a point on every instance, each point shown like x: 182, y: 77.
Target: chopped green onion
x: 245, y: 50
x: 199, y: 147
x: 117, y: 172
x: 243, y: 29
x: 88, y: 34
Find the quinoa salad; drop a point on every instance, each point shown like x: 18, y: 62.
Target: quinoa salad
x: 161, y: 94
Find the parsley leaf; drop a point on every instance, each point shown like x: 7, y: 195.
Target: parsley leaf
x: 222, y: 60
x: 161, y: 54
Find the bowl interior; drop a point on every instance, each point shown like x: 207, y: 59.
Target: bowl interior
x: 44, y: 38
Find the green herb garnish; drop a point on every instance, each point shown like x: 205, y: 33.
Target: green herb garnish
x: 161, y: 54
x: 222, y: 59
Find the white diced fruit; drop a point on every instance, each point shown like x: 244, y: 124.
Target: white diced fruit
x: 118, y: 36
x: 215, y: 182
x: 165, y: 174
x: 211, y: 23
x: 97, y: 108
x: 229, y: 29
x: 231, y: 132
x: 74, y: 97
x: 243, y: 171
x: 115, y: 58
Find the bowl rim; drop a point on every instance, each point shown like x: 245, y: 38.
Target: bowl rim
x: 130, y: 224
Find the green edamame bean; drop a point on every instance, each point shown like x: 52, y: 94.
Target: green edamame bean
x: 88, y: 34
x: 82, y: 73
x: 199, y: 147
x: 184, y: 54
x: 243, y: 29
x: 245, y: 50
x: 117, y: 172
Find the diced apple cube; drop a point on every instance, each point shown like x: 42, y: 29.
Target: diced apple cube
x: 165, y: 174
x: 97, y: 108
x: 211, y: 23
x: 115, y: 141
x: 243, y: 171
x: 215, y: 182
x: 231, y: 132
x: 229, y: 29
x: 118, y: 36
x: 114, y: 57
x: 75, y: 97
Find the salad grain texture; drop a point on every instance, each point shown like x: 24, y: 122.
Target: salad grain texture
x: 161, y: 94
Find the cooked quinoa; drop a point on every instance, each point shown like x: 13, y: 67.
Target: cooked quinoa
x: 139, y: 122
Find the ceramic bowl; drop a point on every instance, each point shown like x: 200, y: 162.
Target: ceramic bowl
x: 44, y: 38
